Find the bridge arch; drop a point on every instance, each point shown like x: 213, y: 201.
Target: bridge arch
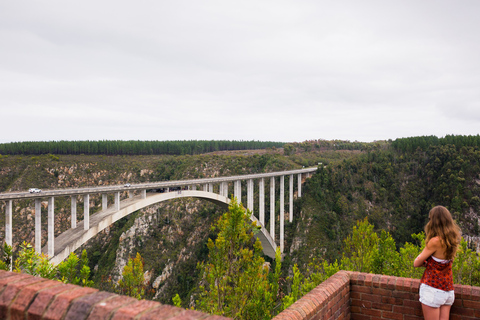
x: 74, y: 238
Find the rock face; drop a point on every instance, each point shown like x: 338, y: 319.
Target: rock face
x: 171, y: 238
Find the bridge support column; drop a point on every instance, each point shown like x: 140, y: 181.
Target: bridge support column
x: 290, y: 199
x: 299, y: 193
x: 272, y: 207
x: 261, y: 201
x: 73, y: 209
x: 86, y: 212
x: 8, y: 226
x: 250, y: 195
x: 225, y: 190
x: 51, y: 225
x: 38, y: 226
x: 144, y: 193
x: 205, y: 187
x: 117, y: 201
x: 282, y: 212
x: 210, y: 187
x: 104, y: 202
x: 237, y: 191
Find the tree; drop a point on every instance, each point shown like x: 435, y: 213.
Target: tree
x: 133, y: 281
x: 235, y: 276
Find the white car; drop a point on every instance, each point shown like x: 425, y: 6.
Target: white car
x: 34, y: 190
x: 126, y: 185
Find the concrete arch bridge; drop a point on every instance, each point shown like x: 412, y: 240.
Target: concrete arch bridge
x: 143, y: 195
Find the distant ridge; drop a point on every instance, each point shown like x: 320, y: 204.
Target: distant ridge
x: 131, y: 147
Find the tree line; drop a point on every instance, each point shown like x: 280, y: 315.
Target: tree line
x: 131, y: 147
x: 424, y: 142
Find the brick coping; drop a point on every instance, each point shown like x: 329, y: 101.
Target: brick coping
x: 345, y: 295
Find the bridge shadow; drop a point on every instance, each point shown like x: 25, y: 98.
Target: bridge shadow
x: 73, y: 239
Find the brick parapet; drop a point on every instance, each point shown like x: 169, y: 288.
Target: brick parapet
x: 27, y: 297
x: 345, y: 295
x: 375, y: 297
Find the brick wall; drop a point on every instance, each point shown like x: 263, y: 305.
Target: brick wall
x: 364, y: 296
x: 345, y: 295
x: 26, y: 297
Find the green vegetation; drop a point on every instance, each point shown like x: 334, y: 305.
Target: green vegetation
x: 236, y: 279
x: 120, y: 147
x: 364, y: 209
x: 36, y: 264
x: 133, y: 282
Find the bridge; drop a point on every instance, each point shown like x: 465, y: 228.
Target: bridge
x: 146, y: 194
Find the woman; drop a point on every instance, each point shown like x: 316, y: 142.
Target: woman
x: 441, y: 243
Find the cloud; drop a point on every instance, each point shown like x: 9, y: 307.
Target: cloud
x: 279, y: 70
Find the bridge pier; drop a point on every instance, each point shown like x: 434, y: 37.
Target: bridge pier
x: 143, y: 194
x: 290, y: 199
x: 237, y: 190
x: 86, y: 212
x: 51, y: 226
x: 282, y: 212
x: 272, y: 208
x: 38, y: 226
x: 261, y: 201
x: 299, y: 193
x: 73, y: 209
x: 8, y: 226
x: 117, y: 201
x: 104, y: 201
x: 250, y: 195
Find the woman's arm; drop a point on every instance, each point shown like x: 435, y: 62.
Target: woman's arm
x: 432, y: 246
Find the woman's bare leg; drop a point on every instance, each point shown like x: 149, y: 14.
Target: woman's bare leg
x: 445, y: 312
x: 430, y: 313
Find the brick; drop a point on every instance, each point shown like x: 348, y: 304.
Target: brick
x: 368, y: 280
x: 163, y: 312
x: 10, y: 293
x: 382, y: 306
x: 464, y: 312
x: 132, y: 310
x: 80, y: 308
x: 62, y: 301
x: 392, y: 282
x: 475, y: 294
x: 471, y: 304
x: 358, y: 288
x: 43, y: 300
x: 289, y: 314
x: 392, y: 315
x: 26, y: 296
x: 392, y: 301
x: 382, y: 292
x: 376, y: 278
x: 104, y: 309
x: 188, y: 315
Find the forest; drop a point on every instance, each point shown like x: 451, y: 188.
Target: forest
x: 120, y: 147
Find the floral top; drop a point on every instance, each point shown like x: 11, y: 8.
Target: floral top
x: 438, y: 275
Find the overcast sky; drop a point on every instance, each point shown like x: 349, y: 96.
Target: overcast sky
x: 238, y: 70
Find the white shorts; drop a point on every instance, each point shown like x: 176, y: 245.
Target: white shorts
x: 434, y: 297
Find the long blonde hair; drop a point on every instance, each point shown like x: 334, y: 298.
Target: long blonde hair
x: 443, y: 226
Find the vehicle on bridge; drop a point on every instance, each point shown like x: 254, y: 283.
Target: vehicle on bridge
x: 34, y: 190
